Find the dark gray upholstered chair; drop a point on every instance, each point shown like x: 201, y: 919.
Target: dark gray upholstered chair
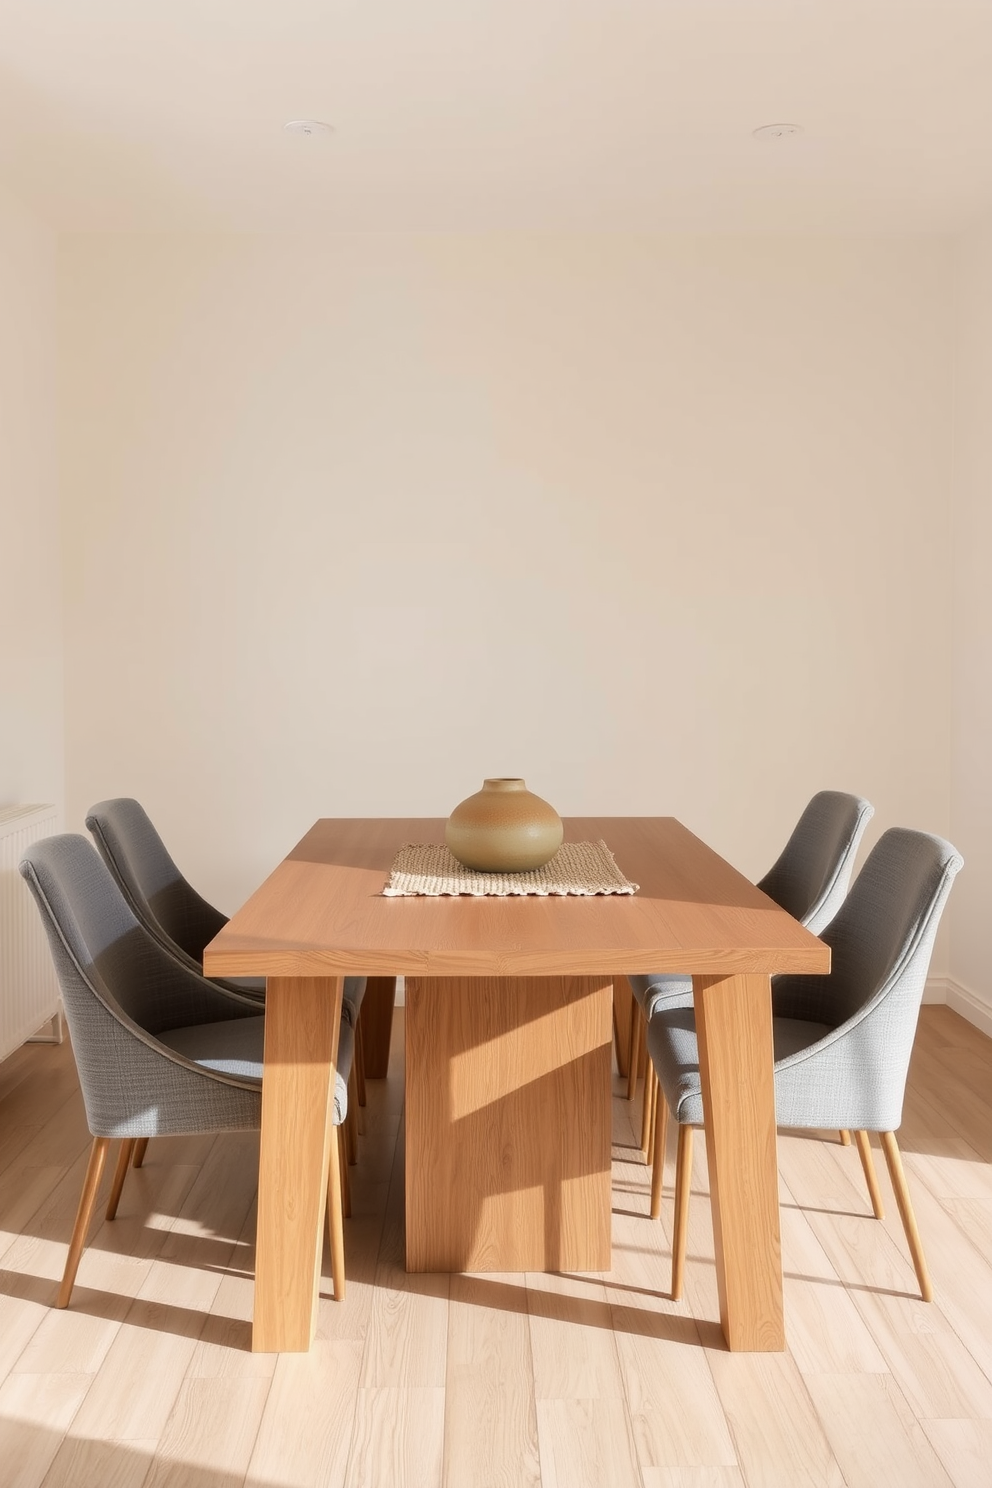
x: 843, y: 1041
x: 159, y: 1049
x: 171, y: 909
x: 809, y: 879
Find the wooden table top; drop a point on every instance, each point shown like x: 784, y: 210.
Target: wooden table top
x: 322, y: 913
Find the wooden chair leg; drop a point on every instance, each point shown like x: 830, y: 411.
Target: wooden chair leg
x: 658, y: 1167
x: 845, y: 1138
x: 871, y: 1177
x: 335, y: 1217
x: 649, y: 1155
x: 87, y: 1202
x: 355, y: 1102
x: 140, y: 1148
x: 634, y: 1048
x: 345, y: 1175
x: 359, y: 1063
x: 120, y: 1173
x: 351, y: 1120
x: 647, y: 1112
x: 893, y: 1158
x: 680, y: 1231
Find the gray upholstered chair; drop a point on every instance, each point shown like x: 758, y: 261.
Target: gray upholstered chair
x: 159, y: 1049
x: 843, y: 1041
x: 809, y: 879
x: 171, y: 909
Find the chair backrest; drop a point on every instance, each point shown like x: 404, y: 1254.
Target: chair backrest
x: 160, y: 896
x: 881, y: 941
x: 811, y: 874
x: 121, y: 988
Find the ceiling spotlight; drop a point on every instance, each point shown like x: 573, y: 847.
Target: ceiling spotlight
x: 774, y: 131
x: 310, y: 128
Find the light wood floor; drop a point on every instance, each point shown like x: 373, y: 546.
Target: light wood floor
x: 562, y: 1381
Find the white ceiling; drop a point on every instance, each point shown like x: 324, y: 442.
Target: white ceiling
x: 466, y: 114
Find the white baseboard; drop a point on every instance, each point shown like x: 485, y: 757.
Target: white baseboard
x: 936, y: 989
x: 970, y: 1006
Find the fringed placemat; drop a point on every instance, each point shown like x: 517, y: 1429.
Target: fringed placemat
x: 577, y: 868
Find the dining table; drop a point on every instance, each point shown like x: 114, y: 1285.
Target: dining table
x: 508, y: 1055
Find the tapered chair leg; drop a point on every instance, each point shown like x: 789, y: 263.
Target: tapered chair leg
x: 893, y: 1158
x: 335, y: 1217
x: 871, y: 1177
x: 359, y: 1062
x: 634, y: 1048
x: 345, y: 1175
x: 87, y: 1202
x: 647, y: 1112
x: 140, y: 1148
x: 845, y: 1138
x: 120, y: 1173
x: 680, y: 1231
x: 658, y: 1167
x: 351, y: 1120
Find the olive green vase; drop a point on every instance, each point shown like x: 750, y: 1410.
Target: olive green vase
x: 504, y: 828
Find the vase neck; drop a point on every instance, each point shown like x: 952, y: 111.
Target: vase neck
x: 506, y: 783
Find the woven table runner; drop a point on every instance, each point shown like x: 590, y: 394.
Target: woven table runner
x: 576, y: 868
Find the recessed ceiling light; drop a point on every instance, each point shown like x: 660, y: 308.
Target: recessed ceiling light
x: 310, y: 128
x: 777, y: 131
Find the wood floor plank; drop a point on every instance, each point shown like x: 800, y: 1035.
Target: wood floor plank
x: 964, y: 1449
x: 213, y: 1424
x: 36, y: 1410
x: 407, y: 1338
x: 775, y: 1427
x: 586, y: 1444
x: 81, y: 1462
x: 490, y: 1414
x: 692, y: 1477
x: 398, y: 1438
x: 825, y: 1331
x: 873, y: 1433
x: 319, y: 1389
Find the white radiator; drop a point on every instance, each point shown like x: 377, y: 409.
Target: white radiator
x: 29, y: 989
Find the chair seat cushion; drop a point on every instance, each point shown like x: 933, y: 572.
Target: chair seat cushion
x: 793, y: 1034
x: 234, y: 1047
x: 656, y: 990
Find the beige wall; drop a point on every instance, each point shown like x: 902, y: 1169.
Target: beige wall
x: 350, y: 523
x: 971, y: 593
x: 31, y: 717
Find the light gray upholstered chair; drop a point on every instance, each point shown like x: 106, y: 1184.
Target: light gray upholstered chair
x: 171, y: 909
x: 842, y: 1041
x: 809, y: 879
x: 159, y: 1049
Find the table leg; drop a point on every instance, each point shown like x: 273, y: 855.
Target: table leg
x: 734, y: 1030
x: 623, y: 1011
x: 377, y: 1025
x: 302, y: 1023
x: 508, y: 1116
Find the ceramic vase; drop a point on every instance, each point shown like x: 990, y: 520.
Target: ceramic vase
x: 504, y: 828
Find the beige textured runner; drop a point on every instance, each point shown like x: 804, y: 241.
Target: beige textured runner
x: 576, y: 868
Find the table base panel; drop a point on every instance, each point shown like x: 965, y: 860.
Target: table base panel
x: 508, y: 1123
